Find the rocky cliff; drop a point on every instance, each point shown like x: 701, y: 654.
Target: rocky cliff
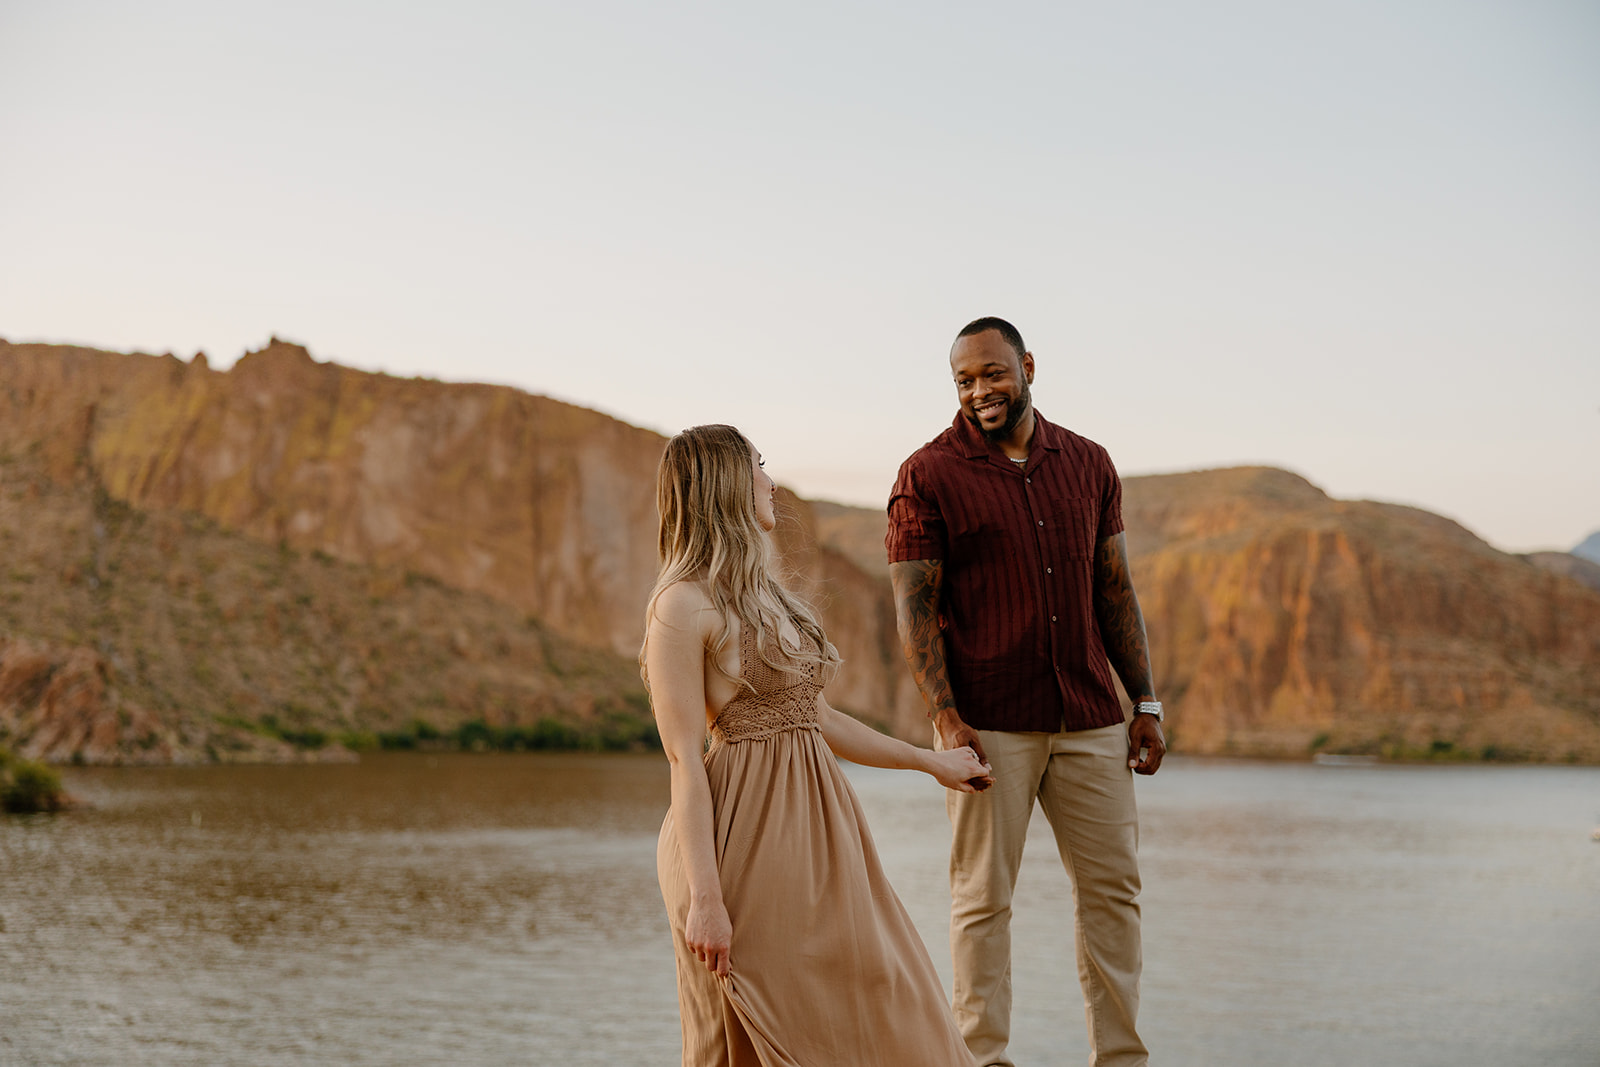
x: 390, y: 549
x: 541, y: 507
x: 133, y: 636
x: 1284, y: 623
x: 542, y: 504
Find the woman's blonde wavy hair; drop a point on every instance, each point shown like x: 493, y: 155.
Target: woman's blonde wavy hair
x: 706, y: 496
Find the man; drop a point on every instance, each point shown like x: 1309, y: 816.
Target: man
x: 1012, y: 591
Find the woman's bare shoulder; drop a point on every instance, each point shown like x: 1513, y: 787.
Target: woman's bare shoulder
x: 686, y: 606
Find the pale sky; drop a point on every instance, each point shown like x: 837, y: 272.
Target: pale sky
x: 1360, y: 240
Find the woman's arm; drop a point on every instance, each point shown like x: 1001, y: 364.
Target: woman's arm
x: 675, y: 663
x: 957, y: 768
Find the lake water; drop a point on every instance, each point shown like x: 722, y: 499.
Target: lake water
x: 483, y: 909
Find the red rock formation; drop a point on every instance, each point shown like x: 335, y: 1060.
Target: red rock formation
x: 542, y: 504
x: 1282, y: 621
x: 62, y: 702
x: 158, y: 636
x: 486, y: 488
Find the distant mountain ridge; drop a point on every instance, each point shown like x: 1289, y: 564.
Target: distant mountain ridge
x: 1589, y: 548
x: 1568, y: 564
x: 1282, y: 622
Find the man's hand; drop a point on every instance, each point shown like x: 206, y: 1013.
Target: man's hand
x: 953, y: 733
x: 1146, y: 745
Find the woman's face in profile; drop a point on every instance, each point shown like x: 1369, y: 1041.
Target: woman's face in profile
x: 766, y: 489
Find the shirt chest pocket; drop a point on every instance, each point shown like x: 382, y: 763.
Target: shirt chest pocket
x: 1071, y: 530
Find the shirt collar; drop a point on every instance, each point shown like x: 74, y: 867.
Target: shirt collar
x: 1046, y: 435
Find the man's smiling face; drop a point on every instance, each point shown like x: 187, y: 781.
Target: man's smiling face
x: 991, y: 383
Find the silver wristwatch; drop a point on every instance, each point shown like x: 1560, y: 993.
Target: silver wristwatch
x: 1150, y: 707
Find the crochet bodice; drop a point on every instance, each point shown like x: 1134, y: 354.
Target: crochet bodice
x: 776, y: 700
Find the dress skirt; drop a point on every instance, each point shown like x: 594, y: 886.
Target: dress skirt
x: 826, y: 969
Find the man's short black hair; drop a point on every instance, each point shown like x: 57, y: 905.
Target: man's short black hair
x: 1006, y: 330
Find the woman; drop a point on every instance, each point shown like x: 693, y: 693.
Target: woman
x: 792, y: 948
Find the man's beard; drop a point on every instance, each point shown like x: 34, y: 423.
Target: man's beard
x: 1015, y: 410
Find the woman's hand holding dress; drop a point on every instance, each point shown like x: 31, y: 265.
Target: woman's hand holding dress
x: 708, y: 934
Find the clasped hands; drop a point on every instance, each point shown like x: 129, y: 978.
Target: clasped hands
x: 959, y: 740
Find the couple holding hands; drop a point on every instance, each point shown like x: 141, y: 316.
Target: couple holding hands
x: 1014, y: 604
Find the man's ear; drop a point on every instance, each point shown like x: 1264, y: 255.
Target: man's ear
x: 1027, y: 366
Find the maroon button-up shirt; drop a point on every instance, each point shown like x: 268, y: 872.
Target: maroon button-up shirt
x: 1017, y: 604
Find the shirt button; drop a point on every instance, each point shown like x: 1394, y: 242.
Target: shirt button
x: 1028, y: 480
x: 1041, y: 522
x: 1052, y: 618
x: 1047, y: 570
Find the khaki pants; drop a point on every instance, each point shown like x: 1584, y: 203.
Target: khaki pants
x: 1083, y: 783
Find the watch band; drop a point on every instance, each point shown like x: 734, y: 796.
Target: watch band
x: 1150, y: 707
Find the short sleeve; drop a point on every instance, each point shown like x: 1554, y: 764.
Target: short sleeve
x: 1110, y: 501
x: 916, y: 526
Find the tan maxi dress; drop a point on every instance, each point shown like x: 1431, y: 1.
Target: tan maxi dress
x: 826, y: 968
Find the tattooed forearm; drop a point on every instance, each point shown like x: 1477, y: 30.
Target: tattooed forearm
x: 1121, y: 623
x: 916, y: 615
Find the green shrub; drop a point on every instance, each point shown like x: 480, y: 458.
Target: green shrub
x: 476, y: 736
x: 270, y: 725
x: 615, y: 731
x: 359, y: 740
x: 420, y: 734
x: 28, y: 786
x: 397, y: 740
x: 310, y: 737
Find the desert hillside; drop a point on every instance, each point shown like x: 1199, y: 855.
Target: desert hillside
x: 210, y: 565
x: 535, y: 511
x: 1284, y: 622
x: 131, y: 636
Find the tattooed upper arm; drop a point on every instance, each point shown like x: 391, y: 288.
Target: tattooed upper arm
x: 1116, y: 606
x: 1111, y: 564
x: 917, y: 581
x: 916, y: 611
